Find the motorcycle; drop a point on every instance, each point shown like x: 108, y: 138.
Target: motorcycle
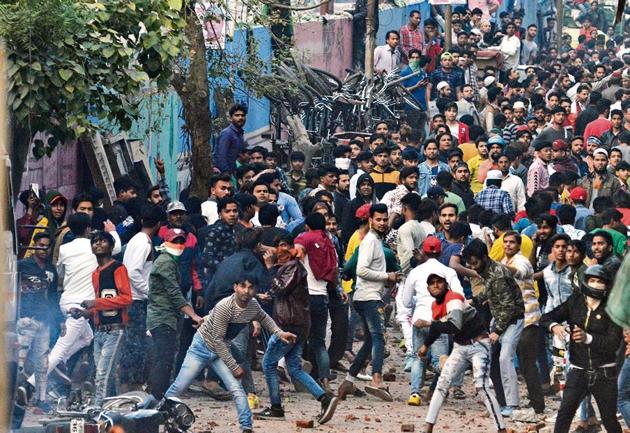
x: 133, y: 412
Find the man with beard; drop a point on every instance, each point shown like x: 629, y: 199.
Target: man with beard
x: 341, y: 194
x: 231, y: 140
x: 611, y: 137
x: 446, y: 73
x: 364, y: 195
x: 556, y: 130
x: 511, y: 183
x: 370, y: 287
x: 538, y: 174
x: 220, y: 187
x: 461, y: 184
x: 475, y: 162
x: 600, y: 183
x: 392, y: 199
x: 602, y: 251
x: 466, y: 105
x: 561, y: 161
x: 429, y: 169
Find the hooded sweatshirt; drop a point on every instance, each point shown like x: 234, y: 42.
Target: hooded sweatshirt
x: 350, y: 223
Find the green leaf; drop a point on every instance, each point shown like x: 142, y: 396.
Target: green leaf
x: 65, y: 74
x: 36, y: 66
x: 69, y: 88
x: 107, y: 39
x: 108, y: 52
x: 175, y: 4
x: 13, y: 69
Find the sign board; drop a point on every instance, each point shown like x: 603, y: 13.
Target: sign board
x: 447, y: 2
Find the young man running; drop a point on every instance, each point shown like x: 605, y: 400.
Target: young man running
x: 452, y: 315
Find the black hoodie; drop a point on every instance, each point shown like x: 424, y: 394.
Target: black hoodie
x: 350, y: 222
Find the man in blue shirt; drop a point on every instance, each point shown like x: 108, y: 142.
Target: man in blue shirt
x: 231, y: 141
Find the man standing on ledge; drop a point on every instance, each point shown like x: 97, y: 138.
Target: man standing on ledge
x: 231, y: 141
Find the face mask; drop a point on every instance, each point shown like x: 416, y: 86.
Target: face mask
x: 342, y: 163
x: 414, y: 64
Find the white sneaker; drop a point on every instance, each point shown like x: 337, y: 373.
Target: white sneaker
x: 525, y: 415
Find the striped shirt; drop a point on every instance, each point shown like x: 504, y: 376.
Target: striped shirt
x: 226, y: 320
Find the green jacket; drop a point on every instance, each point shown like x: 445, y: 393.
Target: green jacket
x: 502, y: 294
x: 350, y: 267
x: 165, y: 296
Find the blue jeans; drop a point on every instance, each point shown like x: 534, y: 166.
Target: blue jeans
x: 107, y: 351
x: 371, y: 314
x: 317, y: 352
x: 505, y: 352
x: 199, y: 357
x: 292, y: 353
x: 438, y: 348
x: 623, y: 399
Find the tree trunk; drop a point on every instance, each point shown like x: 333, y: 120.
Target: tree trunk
x: 370, y: 35
x: 192, y: 88
x: 448, y: 28
x: 20, y: 142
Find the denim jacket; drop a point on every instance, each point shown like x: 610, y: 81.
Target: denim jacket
x: 558, y: 285
x: 424, y: 176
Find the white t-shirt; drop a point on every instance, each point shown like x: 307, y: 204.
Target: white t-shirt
x: 315, y: 286
x: 75, y: 266
x: 210, y: 211
x: 138, y: 266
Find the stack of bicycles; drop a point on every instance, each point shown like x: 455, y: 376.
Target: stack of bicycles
x: 328, y: 105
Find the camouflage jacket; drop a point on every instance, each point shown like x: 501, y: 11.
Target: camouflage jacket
x: 502, y: 294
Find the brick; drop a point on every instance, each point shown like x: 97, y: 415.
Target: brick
x: 407, y: 428
x: 389, y: 377
x: 305, y: 423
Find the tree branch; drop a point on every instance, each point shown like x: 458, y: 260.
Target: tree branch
x: 293, y: 8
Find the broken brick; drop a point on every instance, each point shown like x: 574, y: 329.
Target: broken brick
x: 305, y: 423
x: 407, y: 428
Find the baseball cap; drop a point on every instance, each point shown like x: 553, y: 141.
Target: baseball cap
x: 175, y: 205
x: 578, y: 193
x: 441, y: 85
x: 172, y: 234
x: 542, y: 145
x: 436, y: 191
x: 53, y: 196
x: 446, y: 56
x: 602, y: 151
x: 363, y: 213
x: 559, y: 144
x: 494, y: 175
x: 432, y: 245
x: 439, y: 272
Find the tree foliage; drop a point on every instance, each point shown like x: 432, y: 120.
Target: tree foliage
x: 74, y: 65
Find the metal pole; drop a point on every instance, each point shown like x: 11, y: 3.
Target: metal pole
x: 370, y: 30
x: 448, y: 29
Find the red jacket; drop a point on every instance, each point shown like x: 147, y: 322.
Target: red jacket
x: 119, y: 302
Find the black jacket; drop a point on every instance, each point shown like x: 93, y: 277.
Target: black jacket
x: 606, y: 335
x: 350, y: 223
x: 463, y: 190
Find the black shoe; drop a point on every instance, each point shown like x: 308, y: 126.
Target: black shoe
x: 270, y: 413
x: 24, y: 393
x: 329, y: 404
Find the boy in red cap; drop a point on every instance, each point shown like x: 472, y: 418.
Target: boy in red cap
x: 578, y: 198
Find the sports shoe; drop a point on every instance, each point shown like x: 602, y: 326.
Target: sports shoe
x: 458, y: 393
x: 253, y: 401
x: 24, y: 393
x: 414, y: 400
x: 525, y: 415
x: 507, y: 411
x: 329, y: 404
x: 270, y: 413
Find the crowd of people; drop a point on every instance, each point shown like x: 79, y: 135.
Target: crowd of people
x: 489, y: 227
